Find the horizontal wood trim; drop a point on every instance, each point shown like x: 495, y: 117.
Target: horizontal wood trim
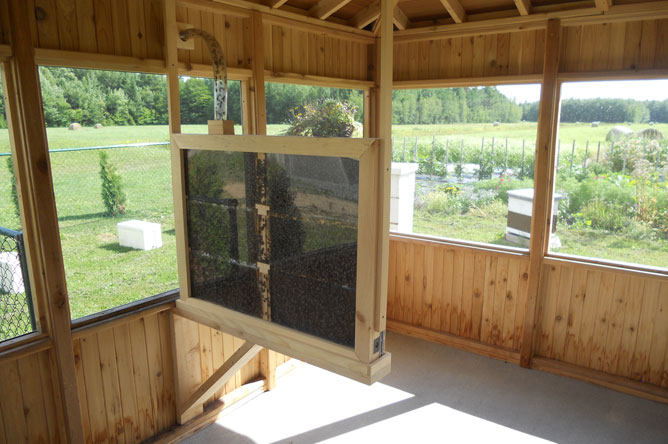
x: 454, y: 341
x: 462, y: 82
x: 590, y: 76
x: 206, y: 70
x: 471, y: 246
x: 21, y: 340
x: 87, y: 60
x: 215, y: 7
x: 624, y: 385
x: 25, y: 349
x: 472, y: 28
x: 306, y: 79
x: 306, y: 146
x: 123, y: 317
x: 603, y: 265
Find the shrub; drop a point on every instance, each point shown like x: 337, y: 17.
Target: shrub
x: 113, y: 195
x: 324, y: 118
x: 502, y: 185
x: 14, y: 193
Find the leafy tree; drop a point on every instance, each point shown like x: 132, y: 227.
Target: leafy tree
x: 324, y: 118
x: 14, y: 193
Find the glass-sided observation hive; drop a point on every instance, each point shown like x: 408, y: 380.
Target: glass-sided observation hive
x: 278, y: 244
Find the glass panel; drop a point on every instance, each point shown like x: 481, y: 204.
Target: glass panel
x: 457, y: 154
x: 312, y: 237
x: 611, y: 181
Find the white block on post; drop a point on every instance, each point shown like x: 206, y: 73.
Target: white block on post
x: 402, y: 196
x: 140, y: 235
x: 11, y: 275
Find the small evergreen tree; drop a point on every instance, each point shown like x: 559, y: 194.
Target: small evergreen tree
x: 113, y: 195
x: 324, y: 118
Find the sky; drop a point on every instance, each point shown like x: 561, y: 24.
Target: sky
x: 619, y: 89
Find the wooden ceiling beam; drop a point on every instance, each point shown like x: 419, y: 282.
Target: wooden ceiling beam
x: 401, y: 21
x: 325, y: 8
x: 366, y: 15
x: 603, y: 5
x: 523, y: 6
x: 275, y: 4
x: 455, y: 10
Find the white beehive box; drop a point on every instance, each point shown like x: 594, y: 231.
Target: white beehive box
x: 139, y: 234
x: 11, y: 275
x: 402, y: 196
x: 520, y: 207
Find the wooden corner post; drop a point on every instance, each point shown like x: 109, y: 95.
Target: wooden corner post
x: 40, y: 219
x: 548, y: 118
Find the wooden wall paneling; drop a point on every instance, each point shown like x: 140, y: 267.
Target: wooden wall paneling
x: 648, y: 43
x: 437, y: 288
x: 632, y: 45
x: 502, y: 53
x: 630, y: 326
x: 392, y: 284
x: 137, y: 26
x: 477, y: 296
x: 589, y: 41
x: 491, y: 263
x: 510, y: 304
x: 81, y: 387
x: 447, y: 69
x: 155, y: 370
x: 515, y: 53
x: 520, y: 310
x: 479, y: 42
x: 539, y: 57
x: 66, y: 17
x: 641, y: 352
x: 616, y: 323
x: 428, y: 286
x: 499, y: 300
x: 47, y: 27
x: 169, y: 409
x: 104, y: 27
x: 4, y: 28
x: 661, y: 58
x: 54, y: 415
x: 182, y: 17
x: 457, y: 288
x: 85, y: 21
x: 446, y: 295
x: 574, y: 317
x: 588, y: 318
x: 197, y: 55
x: 657, y: 352
x: 491, y: 41
x: 154, y: 28
x: 33, y: 400
x: 467, y: 56
x: 528, y: 61
x: 205, y: 354
x: 418, y: 285
x: 560, y: 320
x: 268, y: 44
x: 110, y: 385
x: 602, y: 320
x: 142, y: 378
x: 97, y: 414
x: 11, y: 403
x: 400, y: 278
x: 217, y: 356
x: 126, y: 383
x: 119, y: 20
x: 207, y: 25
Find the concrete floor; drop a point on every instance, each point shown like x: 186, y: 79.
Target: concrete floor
x: 439, y: 394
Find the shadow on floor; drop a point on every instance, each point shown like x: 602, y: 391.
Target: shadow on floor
x: 437, y: 394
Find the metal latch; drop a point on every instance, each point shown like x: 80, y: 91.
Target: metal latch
x: 379, y: 344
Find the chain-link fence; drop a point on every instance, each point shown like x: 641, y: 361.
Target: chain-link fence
x: 17, y: 316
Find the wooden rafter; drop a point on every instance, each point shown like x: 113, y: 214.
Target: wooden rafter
x: 401, y: 21
x: 603, y: 5
x: 523, y: 6
x: 325, y: 8
x: 366, y: 15
x: 240, y: 358
x: 276, y: 3
x: 455, y: 10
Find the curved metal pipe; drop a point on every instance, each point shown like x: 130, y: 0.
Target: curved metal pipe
x: 219, y: 69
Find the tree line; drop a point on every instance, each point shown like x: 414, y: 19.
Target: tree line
x: 605, y: 110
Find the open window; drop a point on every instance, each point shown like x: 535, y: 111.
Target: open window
x: 463, y: 162
x: 109, y: 148
x: 278, y: 247
x: 611, y: 173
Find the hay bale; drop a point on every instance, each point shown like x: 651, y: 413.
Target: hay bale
x: 74, y: 126
x: 595, y: 124
x: 98, y: 126
x: 617, y: 133
x: 650, y: 133
x: 496, y: 124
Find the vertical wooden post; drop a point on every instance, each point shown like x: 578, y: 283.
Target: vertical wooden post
x: 267, y: 357
x: 40, y: 219
x: 548, y: 119
x: 384, y: 128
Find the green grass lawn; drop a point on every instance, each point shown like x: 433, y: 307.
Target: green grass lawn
x: 101, y: 275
